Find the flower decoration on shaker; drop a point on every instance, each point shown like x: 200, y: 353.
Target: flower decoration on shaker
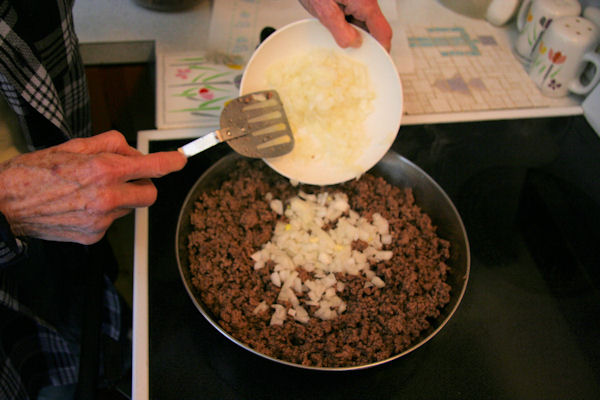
x: 542, y: 48
x: 553, y: 84
x: 545, y: 23
x: 556, y: 57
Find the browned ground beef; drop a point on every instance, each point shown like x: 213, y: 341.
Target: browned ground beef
x: 233, y: 222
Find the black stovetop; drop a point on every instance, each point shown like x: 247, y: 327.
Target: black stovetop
x: 526, y: 329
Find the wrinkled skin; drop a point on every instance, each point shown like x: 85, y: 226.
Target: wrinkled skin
x: 365, y: 12
x: 74, y: 191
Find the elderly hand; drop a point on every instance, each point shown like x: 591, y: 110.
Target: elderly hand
x: 366, y: 12
x: 74, y: 191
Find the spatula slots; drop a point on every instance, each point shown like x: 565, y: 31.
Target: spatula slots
x: 254, y: 125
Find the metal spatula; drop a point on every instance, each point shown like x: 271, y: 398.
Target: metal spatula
x: 254, y: 125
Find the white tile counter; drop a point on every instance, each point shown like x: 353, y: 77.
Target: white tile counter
x: 113, y: 31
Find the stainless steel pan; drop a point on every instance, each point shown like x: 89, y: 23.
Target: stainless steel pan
x: 396, y: 170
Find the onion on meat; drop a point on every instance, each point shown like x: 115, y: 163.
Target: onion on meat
x: 302, y: 242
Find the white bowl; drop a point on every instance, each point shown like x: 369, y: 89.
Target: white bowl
x: 382, y: 124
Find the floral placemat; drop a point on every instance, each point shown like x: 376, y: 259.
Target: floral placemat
x: 192, y: 88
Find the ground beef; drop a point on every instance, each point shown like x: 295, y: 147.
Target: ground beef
x: 234, y: 221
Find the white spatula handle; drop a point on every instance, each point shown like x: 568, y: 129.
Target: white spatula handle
x: 199, y: 145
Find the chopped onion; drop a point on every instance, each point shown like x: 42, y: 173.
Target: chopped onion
x: 261, y: 307
x: 302, y: 242
x: 327, y: 97
x: 279, y: 315
x: 277, y: 206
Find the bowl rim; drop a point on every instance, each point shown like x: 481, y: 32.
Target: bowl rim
x: 382, y: 125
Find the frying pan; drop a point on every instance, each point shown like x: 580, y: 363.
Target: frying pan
x: 398, y: 171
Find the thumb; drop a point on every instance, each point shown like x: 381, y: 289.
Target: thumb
x: 332, y: 17
x: 346, y: 35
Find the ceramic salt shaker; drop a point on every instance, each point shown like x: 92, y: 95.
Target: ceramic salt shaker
x: 564, y: 51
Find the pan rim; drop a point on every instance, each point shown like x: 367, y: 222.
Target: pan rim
x: 390, y: 157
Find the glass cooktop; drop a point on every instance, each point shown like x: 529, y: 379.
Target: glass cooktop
x: 521, y: 331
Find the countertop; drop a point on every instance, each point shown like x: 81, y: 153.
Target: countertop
x: 120, y: 31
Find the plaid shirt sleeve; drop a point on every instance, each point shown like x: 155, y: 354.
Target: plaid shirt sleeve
x: 11, y: 248
x: 33, y: 354
x: 43, y: 80
x: 42, y: 76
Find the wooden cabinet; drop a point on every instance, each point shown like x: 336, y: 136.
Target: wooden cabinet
x: 122, y: 98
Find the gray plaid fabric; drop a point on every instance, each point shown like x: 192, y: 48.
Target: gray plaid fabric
x: 43, y: 80
x: 41, y: 73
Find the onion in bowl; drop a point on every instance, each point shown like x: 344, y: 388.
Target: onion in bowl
x: 327, y: 97
x: 382, y: 101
